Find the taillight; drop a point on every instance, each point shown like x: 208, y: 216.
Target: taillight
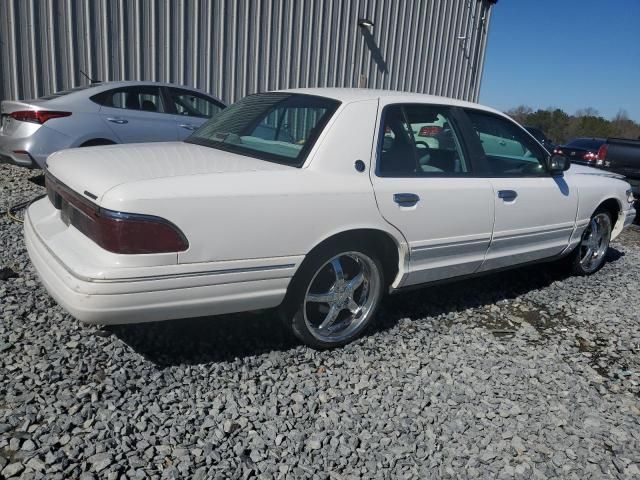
x: 602, y: 154
x: 129, y: 233
x: 432, y: 131
x: 589, y: 156
x: 37, y: 116
x: 117, y: 232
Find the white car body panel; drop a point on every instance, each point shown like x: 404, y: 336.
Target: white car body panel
x: 528, y: 228
x: 448, y: 230
x: 251, y: 223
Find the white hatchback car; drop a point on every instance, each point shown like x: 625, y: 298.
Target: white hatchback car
x: 318, y: 201
x: 100, y: 114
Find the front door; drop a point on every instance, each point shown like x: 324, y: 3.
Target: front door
x: 425, y: 185
x: 534, y: 211
x: 190, y: 109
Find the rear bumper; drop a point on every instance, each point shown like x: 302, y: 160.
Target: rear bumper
x: 139, y: 299
x: 38, y: 146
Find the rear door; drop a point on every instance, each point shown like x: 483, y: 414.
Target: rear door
x: 137, y: 114
x: 190, y: 109
x: 427, y: 186
x: 534, y: 211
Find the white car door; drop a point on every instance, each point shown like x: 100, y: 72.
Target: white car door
x: 426, y: 186
x: 137, y: 114
x: 190, y: 109
x: 534, y: 212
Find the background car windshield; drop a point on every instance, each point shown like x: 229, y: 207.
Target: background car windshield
x: 586, y: 143
x: 278, y: 127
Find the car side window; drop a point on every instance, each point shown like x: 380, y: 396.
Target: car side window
x: 192, y: 104
x: 419, y: 141
x: 145, y: 98
x: 508, y: 149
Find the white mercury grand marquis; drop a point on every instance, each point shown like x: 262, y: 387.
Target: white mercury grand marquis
x: 318, y: 201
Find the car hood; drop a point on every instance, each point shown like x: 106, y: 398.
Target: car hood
x: 97, y: 170
x: 576, y: 169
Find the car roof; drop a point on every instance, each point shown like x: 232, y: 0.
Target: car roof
x: 98, y: 87
x: 348, y: 95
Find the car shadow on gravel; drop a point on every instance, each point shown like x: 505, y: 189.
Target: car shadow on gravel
x: 227, y: 337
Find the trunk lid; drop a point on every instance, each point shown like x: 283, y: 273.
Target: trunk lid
x: 97, y: 170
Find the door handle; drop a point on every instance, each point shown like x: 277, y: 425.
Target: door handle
x: 507, y: 195
x: 189, y: 127
x: 406, y: 199
x: 119, y: 121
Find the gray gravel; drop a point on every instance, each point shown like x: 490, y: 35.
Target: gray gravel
x: 527, y: 374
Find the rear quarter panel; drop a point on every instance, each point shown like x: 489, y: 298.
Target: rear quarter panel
x: 266, y: 214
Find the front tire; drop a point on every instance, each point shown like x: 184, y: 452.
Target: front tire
x: 334, y: 296
x: 589, y: 255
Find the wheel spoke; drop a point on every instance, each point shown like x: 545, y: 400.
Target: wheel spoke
x: 337, y: 268
x: 330, y: 318
x: 355, y: 282
x: 586, y: 260
x: 320, y: 297
x: 353, y: 307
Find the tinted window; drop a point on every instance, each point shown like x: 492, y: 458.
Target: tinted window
x: 507, y: 148
x: 146, y: 98
x: 586, y: 143
x: 279, y: 127
x: 192, y: 104
x: 419, y: 140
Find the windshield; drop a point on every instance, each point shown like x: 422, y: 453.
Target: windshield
x: 277, y: 127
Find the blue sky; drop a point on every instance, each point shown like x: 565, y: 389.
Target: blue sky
x: 570, y: 54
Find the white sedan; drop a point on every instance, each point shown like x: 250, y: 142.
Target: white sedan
x: 318, y: 201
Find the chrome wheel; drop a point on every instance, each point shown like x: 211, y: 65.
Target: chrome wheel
x: 595, y: 242
x: 342, y: 296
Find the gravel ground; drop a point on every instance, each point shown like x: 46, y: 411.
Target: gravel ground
x: 526, y: 374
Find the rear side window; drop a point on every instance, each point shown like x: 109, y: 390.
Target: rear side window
x: 509, y: 151
x: 192, y: 104
x: 146, y: 98
x: 419, y: 141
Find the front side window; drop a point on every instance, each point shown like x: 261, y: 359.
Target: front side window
x: 192, y: 104
x: 147, y: 99
x: 419, y: 140
x: 279, y: 127
x: 509, y: 151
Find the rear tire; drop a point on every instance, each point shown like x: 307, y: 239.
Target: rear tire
x: 334, y: 296
x: 589, y: 256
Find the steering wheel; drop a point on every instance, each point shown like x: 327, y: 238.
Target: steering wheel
x: 425, y: 144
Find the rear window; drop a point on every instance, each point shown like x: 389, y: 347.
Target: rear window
x: 586, y: 143
x: 277, y: 127
x: 62, y: 93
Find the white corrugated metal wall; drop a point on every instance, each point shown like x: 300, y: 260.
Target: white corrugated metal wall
x: 234, y: 47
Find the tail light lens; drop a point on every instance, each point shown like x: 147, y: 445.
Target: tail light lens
x: 117, y: 232
x: 602, y: 154
x: 37, y: 116
x: 432, y: 131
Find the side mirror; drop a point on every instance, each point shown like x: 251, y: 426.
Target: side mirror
x: 558, y: 164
